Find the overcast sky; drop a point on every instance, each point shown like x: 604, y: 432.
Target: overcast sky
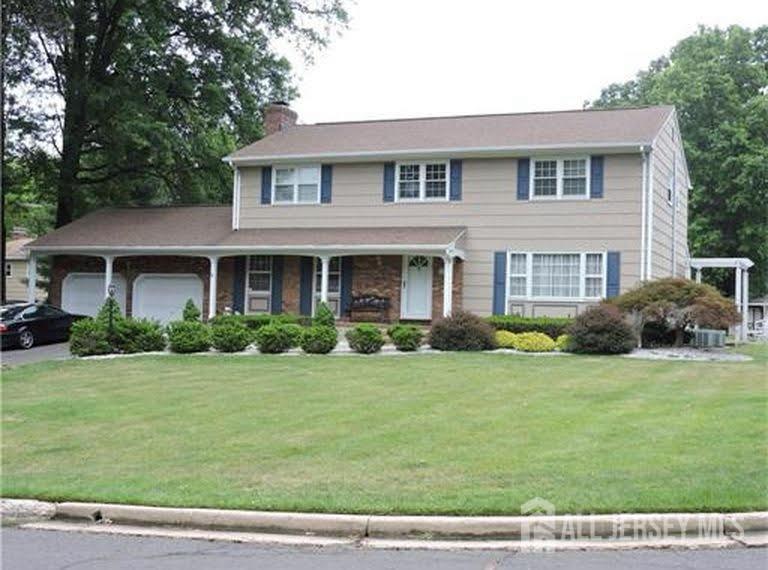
x: 406, y: 58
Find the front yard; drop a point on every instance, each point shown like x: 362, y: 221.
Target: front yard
x: 450, y: 433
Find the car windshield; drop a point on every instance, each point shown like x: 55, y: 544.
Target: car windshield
x: 10, y: 312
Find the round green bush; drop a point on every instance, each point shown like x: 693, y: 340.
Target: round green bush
x: 139, y: 335
x: 462, y: 331
x: 534, y: 342
x: 601, y: 329
x: 294, y: 331
x: 324, y: 316
x: 406, y: 338
x: 231, y: 337
x: 319, y: 339
x: 191, y: 312
x: 561, y: 342
x: 365, y: 339
x: 274, y: 339
x: 88, y: 337
x: 188, y: 336
x: 505, y: 339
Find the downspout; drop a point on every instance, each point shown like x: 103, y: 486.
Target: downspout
x: 643, y: 192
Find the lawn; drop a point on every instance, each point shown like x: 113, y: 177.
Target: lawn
x: 452, y: 433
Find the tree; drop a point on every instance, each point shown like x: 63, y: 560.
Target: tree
x: 718, y: 80
x: 142, y: 98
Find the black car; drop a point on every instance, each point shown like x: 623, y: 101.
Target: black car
x: 28, y: 324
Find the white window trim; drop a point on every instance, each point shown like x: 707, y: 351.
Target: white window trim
x: 295, y: 167
x: 582, y: 298
x: 423, y: 181
x: 248, y: 293
x: 560, y: 171
x: 331, y: 295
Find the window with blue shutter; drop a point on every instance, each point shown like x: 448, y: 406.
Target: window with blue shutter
x: 389, y: 182
x: 305, y: 286
x: 266, y: 184
x: 456, y: 175
x: 347, y: 264
x: 613, y: 272
x: 277, y: 285
x: 326, y: 181
x: 596, y: 177
x: 499, y: 282
x: 238, y: 285
x: 523, y: 178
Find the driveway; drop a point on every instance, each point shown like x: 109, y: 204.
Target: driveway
x: 16, y: 356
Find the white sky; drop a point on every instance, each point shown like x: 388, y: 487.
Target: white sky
x: 406, y: 58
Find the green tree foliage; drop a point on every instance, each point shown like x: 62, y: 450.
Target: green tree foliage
x: 718, y: 80
x: 191, y: 312
x: 142, y: 98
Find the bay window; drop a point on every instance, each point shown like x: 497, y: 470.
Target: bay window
x: 532, y: 275
x: 422, y: 181
x: 296, y: 185
x: 557, y: 178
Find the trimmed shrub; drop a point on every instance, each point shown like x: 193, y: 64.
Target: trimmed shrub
x: 286, y: 319
x: 319, y: 339
x: 461, y: 331
x: 294, y: 333
x: 231, y: 337
x: 88, y: 337
x: 274, y: 339
x: 257, y: 320
x: 505, y: 339
x: 601, y: 329
x: 365, y: 339
x: 191, y: 312
x: 406, y: 338
x: 550, y: 326
x: 139, y: 335
x: 534, y: 342
x: 188, y: 336
x: 324, y: 316
x: 562, y: 342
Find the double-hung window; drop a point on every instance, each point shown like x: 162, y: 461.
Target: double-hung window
x: 296, y: 185
x: 259, y: 284
x: 557, y: 178
x: 533, y: 275
x: 334, y: 283
x: 422, y: 181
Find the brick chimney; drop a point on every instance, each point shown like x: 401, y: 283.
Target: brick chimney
x: 278, y: 116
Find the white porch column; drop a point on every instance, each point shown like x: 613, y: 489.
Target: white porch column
x: 212, y: 284
x: 698, y: 275
x: 32, y: 278
x: 737, y: 301
x: 326, y: 263
x: 108, y: 262
x: 744, y: 304
x: 447, y: 285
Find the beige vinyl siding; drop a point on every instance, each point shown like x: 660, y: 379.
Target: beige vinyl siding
x: 16, y: 288
x: 669, y: 226
x: 489, y: 208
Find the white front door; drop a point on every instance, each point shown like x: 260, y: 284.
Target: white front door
x: 416, y: 287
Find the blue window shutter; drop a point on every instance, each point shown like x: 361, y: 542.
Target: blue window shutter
x: 389, y: 182
x: 326, y: 181
x: 266, y: 184
x: 456, y: 167
x: 347, y: 262
x: 499, y: 281
x: 596, y: 177
x: 523, y: 178
x: 238, y: 285
x: 305, y: 286
x: 277, y: 284
x: 613, y: 272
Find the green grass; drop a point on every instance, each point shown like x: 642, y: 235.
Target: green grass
x: 452, y: 434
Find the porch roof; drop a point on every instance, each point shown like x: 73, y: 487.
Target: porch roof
x: 207, y: 230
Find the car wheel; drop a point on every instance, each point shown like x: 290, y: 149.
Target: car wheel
x: 26, y: 339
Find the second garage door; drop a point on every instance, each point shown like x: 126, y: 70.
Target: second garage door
x: 162, y: 296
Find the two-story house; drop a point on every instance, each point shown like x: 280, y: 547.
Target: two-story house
x: 532, y: 213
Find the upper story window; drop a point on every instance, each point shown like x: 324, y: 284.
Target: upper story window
x: 557, y: 178
x: 556, y: 275
x: 422, y: 181
x: 296, y: 185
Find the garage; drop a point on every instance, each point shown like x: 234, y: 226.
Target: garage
x: 161, y: 296
x: 83, y: 293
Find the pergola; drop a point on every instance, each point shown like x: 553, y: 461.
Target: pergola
x: 742, y: 266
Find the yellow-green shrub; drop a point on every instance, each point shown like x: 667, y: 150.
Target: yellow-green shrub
x: 561, y: 343
x: 534, y: 342
x: 505, y: 339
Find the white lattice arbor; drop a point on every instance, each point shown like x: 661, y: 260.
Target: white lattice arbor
x: 741, y: 265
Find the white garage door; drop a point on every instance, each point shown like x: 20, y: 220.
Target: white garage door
x: 161, y: 296
x: 83, y: 293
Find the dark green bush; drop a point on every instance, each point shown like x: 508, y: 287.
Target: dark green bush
x: 656, y: 334
x: 139, y: 335
x: 88, y: 337
x: 255, y: 321
x: 319, y: 339
x: 406, y: 338
x: 274, y: 339
x: 188, y: 336
x: 286, y: 319
x: 294, y: 332
x: 324, y: 316
x: 191, y: 312
x: 550, y: 326
x: 461, y: 331
x: 231, y: 337
x: 601, y: 329
x: 365, y: 339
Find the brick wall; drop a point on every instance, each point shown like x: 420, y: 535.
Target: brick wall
x: 379, y: 275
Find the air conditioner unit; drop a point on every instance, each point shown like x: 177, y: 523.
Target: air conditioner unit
x: 708, y: 338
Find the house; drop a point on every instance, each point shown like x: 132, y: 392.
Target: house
x: 16, y: 256
x: 532, y: 213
